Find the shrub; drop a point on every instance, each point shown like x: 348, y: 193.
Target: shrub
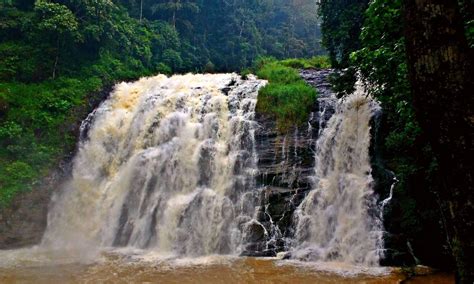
x: 289, y: 103
x: 287, y: 97
x: 14, y: 177
x: 310, y: 63
x: 277, y: 73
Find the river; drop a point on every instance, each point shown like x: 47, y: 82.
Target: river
x: 117, y: 268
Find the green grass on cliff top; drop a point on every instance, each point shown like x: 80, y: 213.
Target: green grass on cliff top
x: 287, y: 97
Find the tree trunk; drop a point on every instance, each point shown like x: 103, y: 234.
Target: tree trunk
x: 175, y: 10
x: 174, y: 19
x: 56, y: 59
x: 441, y: 75
x: 141, y: 10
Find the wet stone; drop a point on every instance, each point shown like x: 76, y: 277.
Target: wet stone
x: 286, y: 167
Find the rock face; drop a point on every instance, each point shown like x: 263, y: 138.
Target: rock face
x: 286, y: 160
x: 286, y: 165
x: 24, y: 221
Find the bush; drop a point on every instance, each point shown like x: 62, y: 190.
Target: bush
x: 311, y: 63
x: 287, y: 97
x: 14, y: 177
x: 209, y: 67
x: 277, y: 73
x: 289, y: 103
x: 164, y: 69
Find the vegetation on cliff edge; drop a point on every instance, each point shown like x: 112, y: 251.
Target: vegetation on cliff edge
x: 287, y: 97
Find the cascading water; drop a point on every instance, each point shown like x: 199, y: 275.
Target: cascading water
x: 334, y: 222
x: 168, y: 164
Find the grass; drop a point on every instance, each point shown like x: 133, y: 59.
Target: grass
x: 316, y: 62
x: 287, y: 97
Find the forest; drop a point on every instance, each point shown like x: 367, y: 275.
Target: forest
x: 59, y: 60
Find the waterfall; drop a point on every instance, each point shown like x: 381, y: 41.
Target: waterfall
x: 170, y: 165
x: 335, y: 221
x: 166, y: 164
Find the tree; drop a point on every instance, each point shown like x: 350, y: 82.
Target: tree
x: 59, y: 23
x: 174, y: 7
x: 341, y: 25
x: 440, y: 72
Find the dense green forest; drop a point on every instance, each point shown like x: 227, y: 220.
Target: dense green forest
x: 55, y: 54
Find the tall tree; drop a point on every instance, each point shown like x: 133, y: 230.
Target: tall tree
x: 441, y: 75
x: 59, y: 23
x: 173, y: 7
x: 342, y: 21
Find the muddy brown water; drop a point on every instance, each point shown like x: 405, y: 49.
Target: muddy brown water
x: 216, y: 269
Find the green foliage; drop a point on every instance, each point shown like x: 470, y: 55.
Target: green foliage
x: 174, y: 7
x: 343, y: 81
x: 287, y: 97
x: 467, y: 11
x: 310, y: 63
x: 470, y: 32
x: 341, y: 24
x: 88, y: 49
x: 382, y: 62
x: 341, y: 27
x: 367, y: 37
x: 278, y: 73
x: 172, y: 58
x: 55, y: 54
x: 290, y: 103
x: 232, y: 34
x: 33, y: 131
x: 164, y: 69
x: 15, y: 177
x: 55, y: 18
x: 209, y: 67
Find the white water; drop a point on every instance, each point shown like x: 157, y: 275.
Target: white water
x: 168, y: 165
x: 334, y: 222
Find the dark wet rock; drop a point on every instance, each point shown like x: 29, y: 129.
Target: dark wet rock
x: 287, y: 159
x: 406, y: 244
x: 24, y: 221
x: 278, y: 205
x: 258, y: 250
x: 256, y: 233
x: 286, y: 166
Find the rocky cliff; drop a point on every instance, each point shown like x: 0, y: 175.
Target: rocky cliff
x: 286, y: 167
